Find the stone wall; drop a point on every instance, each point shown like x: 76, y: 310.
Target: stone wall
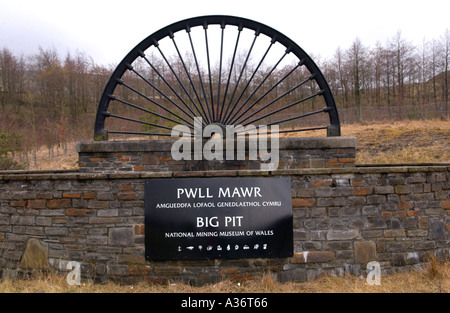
x: 155, y: 156
x: 342, y: 219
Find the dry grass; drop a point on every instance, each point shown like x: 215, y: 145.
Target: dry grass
x: 379, y: 143
x: 422, y: 141
x: 402, y: 142
x: 435, y: 278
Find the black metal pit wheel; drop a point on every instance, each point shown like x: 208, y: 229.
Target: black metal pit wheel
x: 226, y: 70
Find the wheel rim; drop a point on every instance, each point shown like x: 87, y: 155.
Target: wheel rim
x: 226, y: 70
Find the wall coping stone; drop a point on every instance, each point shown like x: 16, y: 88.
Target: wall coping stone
x: 70, y: 174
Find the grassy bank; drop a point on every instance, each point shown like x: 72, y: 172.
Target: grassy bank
x: 379, y: 143
x: 434, y: 278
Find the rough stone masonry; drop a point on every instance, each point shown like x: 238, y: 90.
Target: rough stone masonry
x: 342, y: 219
x: 155, y: 156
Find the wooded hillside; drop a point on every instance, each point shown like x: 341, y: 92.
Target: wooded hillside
x: 48, y: 99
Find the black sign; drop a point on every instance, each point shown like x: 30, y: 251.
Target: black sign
x: 218, y: 218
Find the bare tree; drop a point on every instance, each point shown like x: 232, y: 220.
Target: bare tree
x: 434, y: 64
x: 339, y: 64
x: 356, y: 57
x: 445, y: 55
x: 402, y: 52
x: 12, y: 71
x: 377, y: 58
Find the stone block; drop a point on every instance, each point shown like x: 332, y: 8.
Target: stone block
x: 105, y: 196
x: 59, y: 203
x: 88, y: 196
x: 343, y: 191
x: 98, y: 204
x: 376, y: 222
x: 356, y: 201
x: 312, y: 257
x: 365, y: 251
x: 117, y: 270
x: 312, y: 245
x: 126, y: 196
x: 296, y: 275
x: 105, y: 220
x: 71, y: 195
x: 301, y: 235
x: 383, y: 190
x: 63, y: 186
x: 357, y: 223
x: 342, y: 234
x: 139, y: 270
x: 351, y: 211
x: 323, y: 192
x: 56, y: 231
x: 22, y: 220
x: 35, y: 255
x: 391, y: 233
x: 131, y: 259
x: 412, y: 258
x: 318, y: 212
x: 417, y: 233
x: 10, y: 274
x: 18, y: 203
x: 34, y: 231
x: 121, y: 236
x: 376, y: 199
x: 97, y: 240
x: 362, y: 191
x: 36, y: 204
x: 398, y: 259
x: 402, y: 189
x: 168, y: 270
x: 369, y: 210
x: 422, y: 223
x: 108, y: 213
x: 303, y: 202
x: 399, y: 246
x: 424, y: 245
x: 344, y: 255
x: 317, y: 163
x: 329, y: 202
x: 77, y: 212
x: 437, y: 230
x: 15, y: 237
x: 338, y: 245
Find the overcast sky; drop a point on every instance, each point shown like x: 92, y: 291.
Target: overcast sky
x: 107, y: 30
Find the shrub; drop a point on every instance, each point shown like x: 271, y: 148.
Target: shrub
x: 9, y: 143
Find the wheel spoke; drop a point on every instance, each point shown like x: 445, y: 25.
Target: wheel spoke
x: 249, y: 81
x: 222, y: 26
x: 275, y: 100
x: 233, y: 121
x: 188, y: 30
x: 227, y: 116
x: 283, y: 108
x: 201, y: 67
x: 231, y: 69
x: 202, y: 111
x: 147, y: 111
x: 157, y: 104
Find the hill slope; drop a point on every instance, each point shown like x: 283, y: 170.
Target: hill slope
x: 381, y: 143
